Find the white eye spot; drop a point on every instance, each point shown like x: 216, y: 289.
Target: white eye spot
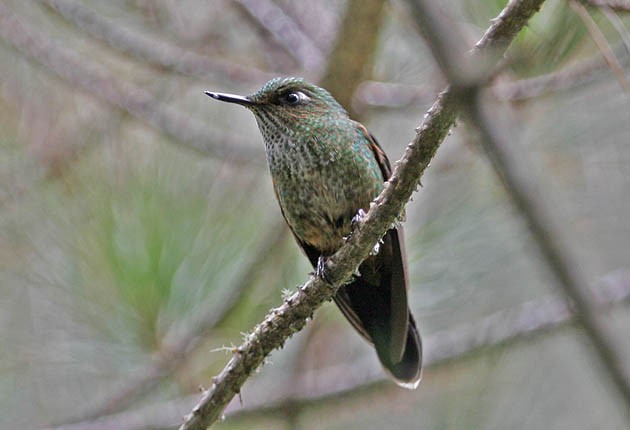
x: 294, y: 98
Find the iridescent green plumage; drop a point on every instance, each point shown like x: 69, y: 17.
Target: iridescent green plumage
x: 325, y: 168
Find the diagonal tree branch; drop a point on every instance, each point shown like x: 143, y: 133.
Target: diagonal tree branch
x: 291, y: 316
x: 354, y: 52
x: 94, y: 79
x: 618, y: 5
x: 578, y: 74
x: 377, y: 94
x: 151, y: 48
x: 601, y: 42
x: 529, y: 198
x: 286, y: 33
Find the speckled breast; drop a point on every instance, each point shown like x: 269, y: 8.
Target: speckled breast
x: 320, y: 188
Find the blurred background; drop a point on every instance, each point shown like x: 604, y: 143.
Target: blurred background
x: 140, y: 238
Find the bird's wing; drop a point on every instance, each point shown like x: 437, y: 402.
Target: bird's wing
x: 379, y: 154
x: 393, y: 256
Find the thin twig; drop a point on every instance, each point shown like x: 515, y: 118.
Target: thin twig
x: 618, y: 5
x: 392, y: 95
x: 612, y: 16
x: 93, y: 79
x: 532, y: 204
x: 287, y: 33
x: 571, y: 76
x: 322, y: 29
x: 140, y: 44
x: 602, y: 44
x: 291, y: 316
x: 354, y: 50
x: 529, y: 198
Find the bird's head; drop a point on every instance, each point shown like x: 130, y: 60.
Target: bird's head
x: 288, y: 103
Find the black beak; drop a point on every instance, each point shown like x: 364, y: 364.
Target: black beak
x: 231, y: 98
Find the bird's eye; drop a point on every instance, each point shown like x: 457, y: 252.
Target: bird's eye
x: 293, y: 98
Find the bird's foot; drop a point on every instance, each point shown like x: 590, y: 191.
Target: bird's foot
x: 358, y: 217
x: 320, y: 270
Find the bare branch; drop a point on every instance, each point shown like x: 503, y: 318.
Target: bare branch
x: 95, y: 80
x: 581, y: 73
x: 620, y: 27
x: 393, y: 95
x: 354, y: 50
x: 322, y: 30
x: 287, y: 33
x: 528, y: 196
x: 618, y: 5
x: 152, y: 48
x: 602, y: 44
x: 291, y: 316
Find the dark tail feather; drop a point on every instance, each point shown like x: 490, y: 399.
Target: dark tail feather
x: 376, y: 305
x: 368, y: 308
x: 408, y: 371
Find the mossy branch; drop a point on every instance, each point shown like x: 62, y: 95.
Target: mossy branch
x: 291, y: 316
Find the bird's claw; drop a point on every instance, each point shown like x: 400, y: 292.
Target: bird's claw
x: 358, y: 217
x: 320, y: 270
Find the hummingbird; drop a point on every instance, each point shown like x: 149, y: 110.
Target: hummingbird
x: 326, y: 169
